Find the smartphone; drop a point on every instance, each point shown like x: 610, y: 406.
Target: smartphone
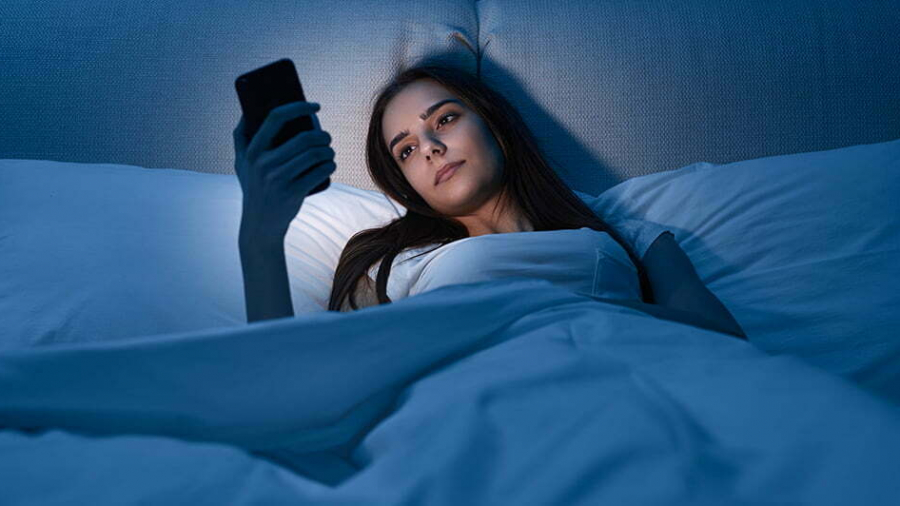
x: 266, y: 88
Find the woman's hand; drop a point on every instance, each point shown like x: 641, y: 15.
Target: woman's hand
x: 276, y: 181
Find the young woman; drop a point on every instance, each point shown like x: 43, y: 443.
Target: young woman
x: 462, y: 161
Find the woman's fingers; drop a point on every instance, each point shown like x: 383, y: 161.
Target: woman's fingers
x: 275, y: 181
x: 240, y: 147
x: 296, y: 145
x: 276, y: 119
x: 313, y: 178
x: 302, y: 164
x: 240, y: 140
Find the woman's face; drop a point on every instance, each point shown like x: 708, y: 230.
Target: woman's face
x: 450, y: 134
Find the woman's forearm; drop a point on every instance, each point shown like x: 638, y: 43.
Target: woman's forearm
x: 267, y: 292
x: 699, y: 300
x: 678, y: 288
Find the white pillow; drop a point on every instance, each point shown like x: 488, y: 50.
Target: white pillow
x: 317, y: 236
x: 803, y: 249
x: 93, y: 252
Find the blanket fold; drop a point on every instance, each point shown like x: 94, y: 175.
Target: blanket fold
x: 511, y: 391
x: 308, y: 383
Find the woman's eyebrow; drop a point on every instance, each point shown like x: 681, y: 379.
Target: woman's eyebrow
x: 425, y: 115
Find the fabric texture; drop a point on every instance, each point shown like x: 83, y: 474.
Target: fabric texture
x: 618, y: 89
x: 436, y: 400
x: 802, y: 249
x: 152, y: 83
x: 102, y: 251
x: 105, y: 251
x: 583, y: 261
x: 636, y: 232
x: 128, y: 374
x: 611, y: 89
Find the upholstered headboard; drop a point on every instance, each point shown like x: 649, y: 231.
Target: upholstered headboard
x: 611, y: 89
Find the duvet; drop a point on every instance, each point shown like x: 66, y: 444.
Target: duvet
x: 512, y: 391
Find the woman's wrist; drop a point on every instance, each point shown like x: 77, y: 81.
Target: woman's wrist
x: 266, y: 285
x: 267, y: 292
x: 252, y: 240
x: 254, y: 247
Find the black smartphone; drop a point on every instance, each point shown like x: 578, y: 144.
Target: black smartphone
x: 266, y: 88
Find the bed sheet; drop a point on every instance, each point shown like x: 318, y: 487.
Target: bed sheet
x: 513, y: 391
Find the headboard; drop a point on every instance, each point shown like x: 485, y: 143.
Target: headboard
x: 611, y: 89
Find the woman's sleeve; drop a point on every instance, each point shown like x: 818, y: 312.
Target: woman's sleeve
x: 639, y: 234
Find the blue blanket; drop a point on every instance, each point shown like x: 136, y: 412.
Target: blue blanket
x: 513, y: 391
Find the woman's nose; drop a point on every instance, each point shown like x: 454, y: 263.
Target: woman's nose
x: 436, y: 149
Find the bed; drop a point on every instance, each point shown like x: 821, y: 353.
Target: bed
x: 766, y: 137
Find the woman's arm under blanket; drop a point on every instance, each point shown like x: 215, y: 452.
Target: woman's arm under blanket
x: 679, y: 293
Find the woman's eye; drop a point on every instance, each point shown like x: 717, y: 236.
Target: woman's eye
x: 439, y: 124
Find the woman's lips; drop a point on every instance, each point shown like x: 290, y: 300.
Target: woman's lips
x: 452, y: 170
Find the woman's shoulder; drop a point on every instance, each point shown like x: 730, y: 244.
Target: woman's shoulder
x: 404, y: 269
x: 640, y: 234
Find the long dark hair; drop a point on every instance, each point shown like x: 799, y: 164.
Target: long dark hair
x: 541, y: 195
